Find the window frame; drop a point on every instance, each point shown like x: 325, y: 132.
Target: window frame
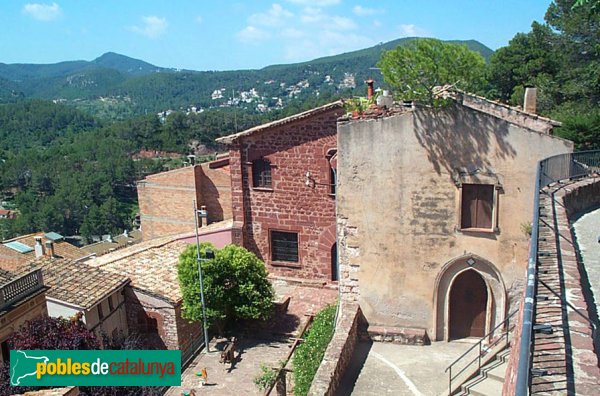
x: 278, y: 262
x: 258, y: 176
x: 494, y: 214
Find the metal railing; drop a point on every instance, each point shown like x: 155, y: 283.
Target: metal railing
x: 20, y: 287
x: 553, y: 169
x: 507, y: 328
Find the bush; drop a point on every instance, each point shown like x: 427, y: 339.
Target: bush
x: 309, y: 354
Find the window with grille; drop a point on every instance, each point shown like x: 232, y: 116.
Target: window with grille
x: 284, y: 246
x: 477, y: 206
x: 261, y: 173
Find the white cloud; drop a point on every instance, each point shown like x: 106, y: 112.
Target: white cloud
x: 42, y: 12
x: 252, y: 35
x: 275, y: 16
x: 342, y: 23
x: 411, y: 30
x: 199, y: 19
x: 325, y: 43
x: 364, y: 11
x: 377, y: 23
x: 152, y: 27
x: 292, y: 33
x: 312, y: 15
x: 316, y: 3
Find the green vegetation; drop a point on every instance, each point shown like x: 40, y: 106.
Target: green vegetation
x: 235, y: 285
x: 309, y: 354
x: 267, y: 376
x: 562, y: 59
x: 415, y: 70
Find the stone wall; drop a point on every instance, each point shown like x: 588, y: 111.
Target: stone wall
x: 293, y: 149
x: 339, y: 351
x: 141, y: 306
x: 189, y: 335
x: 166, y: 199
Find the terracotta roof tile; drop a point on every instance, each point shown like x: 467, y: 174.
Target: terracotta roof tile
x: 77, y: 283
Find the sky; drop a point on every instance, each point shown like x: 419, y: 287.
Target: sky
x: 233, y: 35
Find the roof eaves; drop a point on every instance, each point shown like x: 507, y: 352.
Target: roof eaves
x: 317, y: 110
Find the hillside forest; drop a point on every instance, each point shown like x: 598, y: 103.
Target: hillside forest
x: 71, y: 168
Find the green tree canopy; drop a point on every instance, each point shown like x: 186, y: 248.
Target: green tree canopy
x: 235, y: 285
x: 414, y: 70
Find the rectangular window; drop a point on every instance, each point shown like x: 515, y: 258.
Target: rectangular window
x: 261, y: 173
x: 477, y: 206
x: 100, y: 313
x: 284, y: 246
x: 111, y: 307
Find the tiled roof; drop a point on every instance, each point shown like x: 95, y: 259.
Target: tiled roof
x: 153, y: 269
x: 118, y: 242
x: 152, y: 265
x: 5, y: 276
x: 77, y: 283
x: 317, y: 110
x: 12, y: 260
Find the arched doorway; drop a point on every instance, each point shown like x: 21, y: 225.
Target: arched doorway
x: 334, y: 263
x: 468, y: 305
x: 449, y: 277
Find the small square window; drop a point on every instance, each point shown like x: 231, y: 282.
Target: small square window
x: 261, y: 173
x: 284, y: 246
x: 477, y: 206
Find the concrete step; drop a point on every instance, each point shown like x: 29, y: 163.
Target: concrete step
x: 487, y: 387
x: 499, y: 372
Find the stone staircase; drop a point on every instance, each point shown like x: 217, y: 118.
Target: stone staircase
x: 490, y: 379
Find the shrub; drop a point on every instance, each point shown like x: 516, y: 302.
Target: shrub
x: 309, y: 354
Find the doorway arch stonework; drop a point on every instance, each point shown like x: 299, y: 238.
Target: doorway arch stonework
x: 496, y: 293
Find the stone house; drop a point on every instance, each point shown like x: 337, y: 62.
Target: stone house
x: 166, y: 198
x: 432, y: 210
x: 283, y: 192
x: 22, y: 298
x: 77, y: 287
x: 154, y: 300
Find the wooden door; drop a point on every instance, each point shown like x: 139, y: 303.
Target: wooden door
x: 468, y: 303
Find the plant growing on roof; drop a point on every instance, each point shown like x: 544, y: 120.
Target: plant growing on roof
x: 415, y: 70
x: 235, y: 285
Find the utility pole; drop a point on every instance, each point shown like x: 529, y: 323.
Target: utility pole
x: 208, y: 255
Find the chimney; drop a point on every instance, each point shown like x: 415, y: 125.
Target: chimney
x: 530, y: 100
x: 39, y: 248
x: 370, y: 90
x: 50, y: 248
x: 192, y: 159
x: 204, y: 216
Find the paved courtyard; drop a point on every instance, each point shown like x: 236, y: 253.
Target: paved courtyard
x: 587, y: 232
x: 262, y: 343
x: 391, y: 369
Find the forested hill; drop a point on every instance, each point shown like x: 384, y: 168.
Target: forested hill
x: 115, y: 86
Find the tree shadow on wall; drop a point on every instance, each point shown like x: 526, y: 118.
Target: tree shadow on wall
x: 459, y: 137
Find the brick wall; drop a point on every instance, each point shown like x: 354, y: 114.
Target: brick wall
x: 166, y: 199
x: 293, y: 149
x: 139, y: 303
x: 189, y: 335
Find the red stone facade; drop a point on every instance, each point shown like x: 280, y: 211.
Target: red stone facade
x: 166, y: 199
x: 294, y: 202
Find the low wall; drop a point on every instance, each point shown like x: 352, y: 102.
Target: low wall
x: 510, y: 377
x: 339, y: 352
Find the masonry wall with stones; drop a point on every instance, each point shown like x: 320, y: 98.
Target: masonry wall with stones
x: 166, y: 199
x: 399, y: 212
x: 189, y: 335
x: 293, y: 149
x: 338, y: 354
x: 144, y: 309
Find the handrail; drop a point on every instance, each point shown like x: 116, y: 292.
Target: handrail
x: 506, y: 322
x: 549, y: 170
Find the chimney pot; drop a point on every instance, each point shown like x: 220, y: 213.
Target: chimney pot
x: 530, y: 100
x: 50, y: 248
x: 370, y: 89
x: 39, y: 248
